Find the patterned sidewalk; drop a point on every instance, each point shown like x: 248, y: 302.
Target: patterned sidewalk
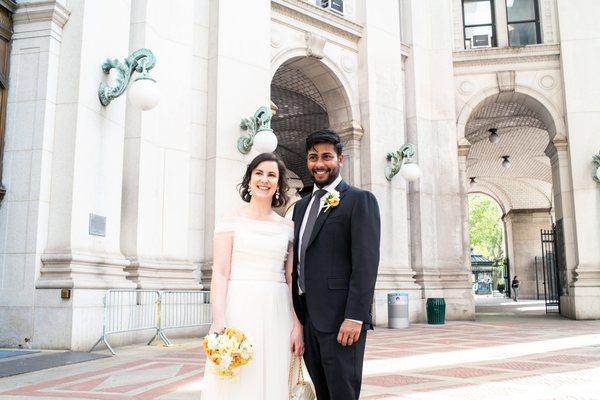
x: 508, y: 353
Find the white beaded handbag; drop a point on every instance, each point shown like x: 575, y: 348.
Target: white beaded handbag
x: 300, y: 390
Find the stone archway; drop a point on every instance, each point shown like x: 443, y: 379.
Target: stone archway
x: 526, y: 191
x: 307, y: 96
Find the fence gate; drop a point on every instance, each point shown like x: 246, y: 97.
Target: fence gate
x: 550, y: 278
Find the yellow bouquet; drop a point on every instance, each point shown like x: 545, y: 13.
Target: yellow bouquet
x: 226, y: 352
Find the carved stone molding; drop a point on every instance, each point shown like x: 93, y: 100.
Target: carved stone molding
x: 547, y: 82
x: 316, y: 16
x: 464, y: 146
x: 506, y: 81
x: 506, y: 55
x: 40, y: 11
x: 315, y: 45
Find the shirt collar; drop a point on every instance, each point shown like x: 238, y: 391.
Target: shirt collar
x: 331, y: 187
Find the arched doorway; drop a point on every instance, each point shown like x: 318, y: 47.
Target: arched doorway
x: 306, y: 96
x: 514, y: 169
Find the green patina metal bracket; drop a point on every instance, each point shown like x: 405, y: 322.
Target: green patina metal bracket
x: 260, y: 121
x: 596, y: 159
x: 398, y: 158
x: 142, y: 61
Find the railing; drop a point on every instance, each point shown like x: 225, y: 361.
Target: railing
x: 128, y: 310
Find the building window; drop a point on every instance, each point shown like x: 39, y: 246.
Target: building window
x: 479, y: 23
x: 523, y: 22
x: 333, y: 5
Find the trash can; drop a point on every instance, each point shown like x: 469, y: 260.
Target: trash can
x: 436, y: 310
x: 398, y: 310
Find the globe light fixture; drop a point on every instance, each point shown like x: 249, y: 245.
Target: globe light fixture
x: 265, y: 141
x: 506, y: 163
x: 260, y: 135
x: 494, y: 137
x: 402, y: 161
x: 144, y: 92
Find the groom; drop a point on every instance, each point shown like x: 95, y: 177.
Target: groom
x: 337, y: 231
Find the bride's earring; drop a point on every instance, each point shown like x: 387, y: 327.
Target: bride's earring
x: 249, y: 191
x: 277, y: 194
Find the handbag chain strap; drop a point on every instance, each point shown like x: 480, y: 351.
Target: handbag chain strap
x: 300, y: 380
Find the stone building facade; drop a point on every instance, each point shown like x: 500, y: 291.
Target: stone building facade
x: 382, y: 73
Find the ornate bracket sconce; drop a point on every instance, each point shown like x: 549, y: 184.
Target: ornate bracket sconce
x: 402, y: 161
x: 260, y: 135
x: 596, y: 171
x: 143, y: 92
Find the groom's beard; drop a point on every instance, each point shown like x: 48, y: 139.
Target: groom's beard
x: 333, y: 174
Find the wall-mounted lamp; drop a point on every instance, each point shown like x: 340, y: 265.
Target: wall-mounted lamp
x: 402, y: 161
x: 596, y: 171
x: 472, y: 182
x: 506, y: 162
x: 494, y: 137
x: 143, y: 92
x: 260, y: 135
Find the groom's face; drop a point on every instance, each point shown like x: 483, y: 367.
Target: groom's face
x: 324, y: 163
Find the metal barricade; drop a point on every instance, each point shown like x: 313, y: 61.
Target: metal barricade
x: 129, y: 310
x: 183, y: 309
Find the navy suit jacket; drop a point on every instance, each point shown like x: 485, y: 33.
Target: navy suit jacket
x: 341, y: 263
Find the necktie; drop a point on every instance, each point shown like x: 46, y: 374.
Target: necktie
x: 313, y: 213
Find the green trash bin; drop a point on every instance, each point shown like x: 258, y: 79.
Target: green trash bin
x: 436, y: 311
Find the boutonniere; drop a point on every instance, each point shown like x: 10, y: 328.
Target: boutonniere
x: 331, y: 201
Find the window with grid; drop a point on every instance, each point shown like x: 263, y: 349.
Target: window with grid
x: 479, y: 23
x: 523, y: 22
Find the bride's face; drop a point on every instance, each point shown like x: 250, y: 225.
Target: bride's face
x: 264, y: 179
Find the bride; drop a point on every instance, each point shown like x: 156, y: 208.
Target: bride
x: 251, y: 286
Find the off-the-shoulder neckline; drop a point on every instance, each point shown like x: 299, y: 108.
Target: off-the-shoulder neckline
x: 281, y: 222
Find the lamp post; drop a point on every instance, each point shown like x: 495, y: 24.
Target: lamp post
x: 143, y: 92
x: 260, y: 135
x: 402, y: 161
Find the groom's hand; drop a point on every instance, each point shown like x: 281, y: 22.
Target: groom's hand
x: 349, y: 332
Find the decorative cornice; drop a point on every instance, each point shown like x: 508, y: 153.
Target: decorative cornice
x: 319, y: 17
x: 41, y: 11
x: 506, y: 55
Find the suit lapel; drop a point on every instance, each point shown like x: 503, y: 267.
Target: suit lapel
x: 302, y: 204
x: 342, y: 187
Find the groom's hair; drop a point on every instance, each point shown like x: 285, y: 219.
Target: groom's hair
x: 324, y: 136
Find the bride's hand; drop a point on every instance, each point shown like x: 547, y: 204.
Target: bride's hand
x: 297, y: 340
x: 217, y: 327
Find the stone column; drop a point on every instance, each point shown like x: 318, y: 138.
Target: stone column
x: 159, y: 144
x: 464, y: 146
x: 351, y: 134
x: 239, y: 81
x: 28, y: 152
x: 579, y: 45
x: 523, y: 236
x: 84, y: 180
x: 436, y: 204
x: 382, y: 115
x: 562, y: 188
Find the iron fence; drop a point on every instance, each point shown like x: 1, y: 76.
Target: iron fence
x: 130, y: 310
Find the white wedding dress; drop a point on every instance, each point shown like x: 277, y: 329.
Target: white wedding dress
x: 258, y: 303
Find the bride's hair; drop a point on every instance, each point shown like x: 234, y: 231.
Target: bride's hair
x: 282, y: 183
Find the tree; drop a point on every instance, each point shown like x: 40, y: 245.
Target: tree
x: 486, y: 231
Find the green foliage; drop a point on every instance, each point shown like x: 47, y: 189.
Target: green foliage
x: 486, y: 231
